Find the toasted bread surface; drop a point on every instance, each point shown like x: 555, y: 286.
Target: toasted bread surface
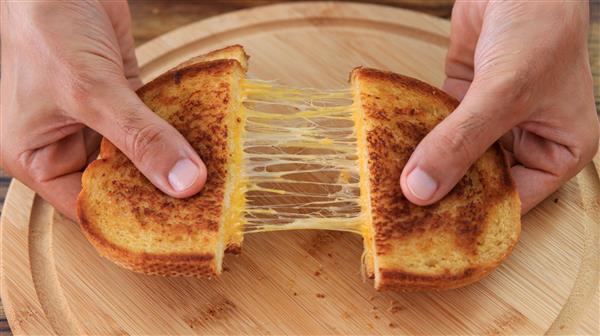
x: 234, y: 52
x: 453, y: 242
x: 136, y: 225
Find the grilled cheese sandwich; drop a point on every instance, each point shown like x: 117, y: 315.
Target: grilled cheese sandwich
x: 283, y: 158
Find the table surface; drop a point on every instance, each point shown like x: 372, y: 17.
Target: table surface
x: 152, y: 18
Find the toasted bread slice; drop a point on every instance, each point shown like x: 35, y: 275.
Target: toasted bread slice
x: 133, y: 223
x: 451, y: 243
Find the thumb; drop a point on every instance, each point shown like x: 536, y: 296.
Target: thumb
x: 155, y: 147
x: 443, y: 157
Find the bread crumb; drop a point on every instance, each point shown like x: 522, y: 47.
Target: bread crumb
x: 376, y: 317
x: 330, y: 255
x: 295, y: 294
x: 396, y: 307
x: 320, y: 295
x: 556, y: 200
x: 317, y: 273
x: 392, y: 325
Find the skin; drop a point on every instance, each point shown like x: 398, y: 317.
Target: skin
x: 68, y: 75
x: 520, y: 68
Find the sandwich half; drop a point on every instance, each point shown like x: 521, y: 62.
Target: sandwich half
x: 136, y: 225
x: 449, y: 244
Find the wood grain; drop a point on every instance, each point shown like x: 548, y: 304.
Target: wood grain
x: 152, y: 18
x: 301, y: 282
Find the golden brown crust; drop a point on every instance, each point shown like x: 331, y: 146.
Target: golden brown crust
x: 133, y: 223
x: 447, y: 244
x: 235, y: 52
x: 197, y: 265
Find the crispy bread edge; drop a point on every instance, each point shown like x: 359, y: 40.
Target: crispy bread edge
x: 218, y: 54
x: 396, y: 280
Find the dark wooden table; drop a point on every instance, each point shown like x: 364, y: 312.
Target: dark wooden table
x: 152, y: 18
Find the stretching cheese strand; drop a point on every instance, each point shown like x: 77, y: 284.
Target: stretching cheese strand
x: 300, y: 164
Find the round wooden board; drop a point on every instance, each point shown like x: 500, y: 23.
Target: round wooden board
x: 305, y: 282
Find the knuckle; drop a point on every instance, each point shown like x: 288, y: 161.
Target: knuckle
x: 83, y: 91
x: 26, y: 164
x: 579, y: 154
x: 91, y: 91
x: 141, y: 141
x: 512, y: 86
x: 455, y: 144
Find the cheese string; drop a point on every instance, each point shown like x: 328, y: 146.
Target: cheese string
x: 300, y: 168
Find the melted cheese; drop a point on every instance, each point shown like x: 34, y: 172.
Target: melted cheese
x: 298, y: 161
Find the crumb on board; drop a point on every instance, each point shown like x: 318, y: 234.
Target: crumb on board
x: 376, y: 317
x: 317, y: 273
x: 556, y: 200
x: 330, y: 255
x: 392, y: 325
x: 295, y: 294
x: 395, y: 307
x: 320, y: 295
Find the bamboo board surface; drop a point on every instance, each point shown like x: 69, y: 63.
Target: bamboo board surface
x: 305, y: 282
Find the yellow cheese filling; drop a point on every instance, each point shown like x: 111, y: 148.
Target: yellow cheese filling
x: 298, y: 161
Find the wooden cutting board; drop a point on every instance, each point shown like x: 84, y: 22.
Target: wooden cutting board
x: 304, y: 282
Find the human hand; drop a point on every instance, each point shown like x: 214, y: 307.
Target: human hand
x: 69, y: 71
x: 522, y: 72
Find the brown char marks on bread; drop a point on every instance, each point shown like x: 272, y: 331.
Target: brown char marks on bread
x: 198, y: 265
x: 165, y: 235
x: 399, y: 112
x: 208, y: 137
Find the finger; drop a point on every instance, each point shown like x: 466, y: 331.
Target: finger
x: 456, y: 87
x: 157, y: 149
x: 92, y: 144
x: 120, y: 17
x: 543, y: 166
x: 91, y: 140
x: 62, y: 193
x: 464, y: 33
x: 48, y: 162
x: 442, y: 158
x: 533, y: 185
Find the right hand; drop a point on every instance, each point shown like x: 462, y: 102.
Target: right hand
x: 68, y: 71
x: 522, y: 73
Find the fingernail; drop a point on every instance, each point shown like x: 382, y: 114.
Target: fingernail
x: 421, y: 184
x: 183, y: 174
